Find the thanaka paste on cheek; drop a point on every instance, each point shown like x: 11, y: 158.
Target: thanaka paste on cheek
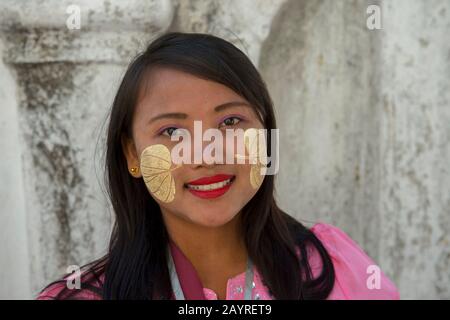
x: 255, y: 145
x: 156, y: 169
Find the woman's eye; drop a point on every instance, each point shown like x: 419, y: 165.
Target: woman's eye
x: 231, y: 121
x: 168, y: 131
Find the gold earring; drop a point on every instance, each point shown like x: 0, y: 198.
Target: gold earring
x: 134, y: 170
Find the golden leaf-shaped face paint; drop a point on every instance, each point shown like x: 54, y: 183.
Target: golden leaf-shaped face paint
x: 156, y: 170
x: 255, y: 145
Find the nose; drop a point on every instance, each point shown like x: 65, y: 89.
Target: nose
x: 207, y: 153
x: 207, y: 146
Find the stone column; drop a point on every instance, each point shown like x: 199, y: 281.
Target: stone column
x: 14, y: 261
x: 66, y: 79
x: 364, y: 119
x: 246, y: 24
x: 320, y: 64
x: 414, y: 180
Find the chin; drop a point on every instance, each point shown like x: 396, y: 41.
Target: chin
x: 211, y: 219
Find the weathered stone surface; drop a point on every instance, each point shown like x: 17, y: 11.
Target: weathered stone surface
x: 414, y: 181
x: 322, y: 77
x: 246, y: 24
x: 110, y: 30
x: 66, y: 80
x: 68, y: 223
x: 14, y: 253
x: 366, y: 116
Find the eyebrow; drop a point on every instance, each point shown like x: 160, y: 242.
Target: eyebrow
x: 179, y: 115
x: 172, y: 115
x: 226, y: 105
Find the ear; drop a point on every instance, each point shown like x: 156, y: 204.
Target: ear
x: 130, y: 152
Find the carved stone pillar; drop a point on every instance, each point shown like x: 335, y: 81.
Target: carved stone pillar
x: 66, y: 79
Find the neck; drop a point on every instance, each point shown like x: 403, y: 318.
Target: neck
x: 211, y: 250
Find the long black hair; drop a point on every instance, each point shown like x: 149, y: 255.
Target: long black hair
x: 135, y: 265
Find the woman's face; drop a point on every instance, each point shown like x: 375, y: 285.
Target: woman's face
x: 174, y: 99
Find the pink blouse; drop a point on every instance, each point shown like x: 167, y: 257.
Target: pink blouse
x: 357, y: 276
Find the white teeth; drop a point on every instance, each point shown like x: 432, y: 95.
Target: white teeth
x: 207, y: 187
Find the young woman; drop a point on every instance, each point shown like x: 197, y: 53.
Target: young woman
x: 206, y: 230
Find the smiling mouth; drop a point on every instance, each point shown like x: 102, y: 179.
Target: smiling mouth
x: 205, y: 190
x: 209, y: 187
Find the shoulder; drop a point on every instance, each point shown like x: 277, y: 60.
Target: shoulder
x: 357, y: 276
x: 65, y: 289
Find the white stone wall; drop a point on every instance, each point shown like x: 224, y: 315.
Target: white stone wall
x: 364, y: 118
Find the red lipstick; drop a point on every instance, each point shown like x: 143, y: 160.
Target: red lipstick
x: 209, y: 194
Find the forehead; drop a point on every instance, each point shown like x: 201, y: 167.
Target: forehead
x: 170, y: 90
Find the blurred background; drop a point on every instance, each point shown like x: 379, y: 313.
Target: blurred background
x: 362, y: 97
